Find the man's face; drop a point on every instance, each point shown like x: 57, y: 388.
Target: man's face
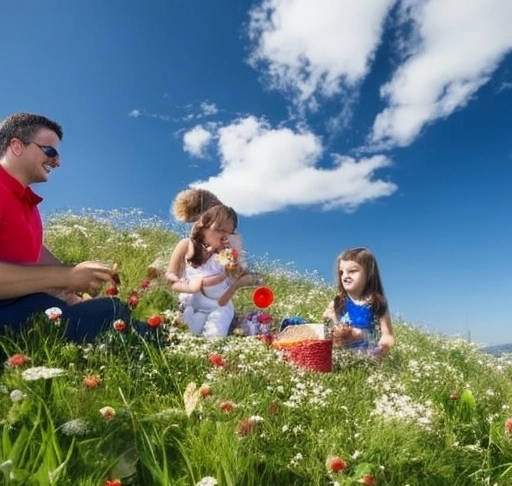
x: 39, y: 159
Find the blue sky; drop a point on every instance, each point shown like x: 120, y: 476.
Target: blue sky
x: 326, y: 124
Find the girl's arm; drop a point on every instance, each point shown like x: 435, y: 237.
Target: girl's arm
x: 177, y: 261
x: 329, y: 313
x: 214, y: 279
x: 176, y: 267
x: 387, y: 339
x: 242, y: 281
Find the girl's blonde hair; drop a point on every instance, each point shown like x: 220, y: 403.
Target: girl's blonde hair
x: 373, y: 290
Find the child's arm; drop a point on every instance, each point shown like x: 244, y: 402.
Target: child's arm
x: 177, y: 261
x: 214, y: 279
x: 329, y: 313
x: 189, y: 286
x: 242, y: 281
x: 387, y: 339
x: 175, y: 270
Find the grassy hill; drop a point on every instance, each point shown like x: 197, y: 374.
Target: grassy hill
x: 176, y: 409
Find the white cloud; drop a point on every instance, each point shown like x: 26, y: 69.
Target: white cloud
x: 267, y: 169
x: 313, y: 47
x: 135, y: 113
x: 196, y: 140
x: 208, y: 109
x: 324, y: 49
x: 458, y: 47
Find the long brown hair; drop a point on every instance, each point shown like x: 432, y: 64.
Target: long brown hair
x: 373, y: 290
x: 214, y: 216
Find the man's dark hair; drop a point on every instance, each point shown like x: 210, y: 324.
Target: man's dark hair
x: 24, y: 126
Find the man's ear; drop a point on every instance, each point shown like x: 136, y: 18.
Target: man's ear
x: 16, y: 146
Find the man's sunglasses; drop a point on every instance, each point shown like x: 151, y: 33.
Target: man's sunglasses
x: 48, y: 150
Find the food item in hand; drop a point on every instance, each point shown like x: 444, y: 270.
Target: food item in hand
x: 228, y: 258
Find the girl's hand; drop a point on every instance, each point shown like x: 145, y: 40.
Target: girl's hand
x: 385, y: 344
x: 247, y: 280
x: 171, y: 277
x: 329, y: 314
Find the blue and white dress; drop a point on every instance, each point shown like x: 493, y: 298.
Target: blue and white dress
x: 361, y: 316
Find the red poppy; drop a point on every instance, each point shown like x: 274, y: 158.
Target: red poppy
x: 17, y: 360
x: 119, y: 325
x: 113, y: 482
x: 273, y: 408
x: 112, y: 291
x: 216, y: 359
x: 92, y: 381
x: 155, y: 321
x: 205, y: 390
x: 245, y: 427
x: 133, y: 300
x: 227, y: 406
x: 335, y: 464
x: 508, y: 425
x: 146, y: 283
x: 368, y: 479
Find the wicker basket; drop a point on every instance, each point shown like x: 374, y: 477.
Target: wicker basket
x: 304, y: 346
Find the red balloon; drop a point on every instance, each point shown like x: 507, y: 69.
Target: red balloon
x: 262, y: 297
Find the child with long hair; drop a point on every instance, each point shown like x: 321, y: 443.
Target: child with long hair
x: 359, y: 310
x: 194, y: 268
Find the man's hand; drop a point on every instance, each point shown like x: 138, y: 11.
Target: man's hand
x: 90, y: 277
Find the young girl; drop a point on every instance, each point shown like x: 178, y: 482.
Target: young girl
x: 359, y: 310
x: 194, y: 269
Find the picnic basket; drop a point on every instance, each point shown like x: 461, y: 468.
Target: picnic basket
x: 305, y: 346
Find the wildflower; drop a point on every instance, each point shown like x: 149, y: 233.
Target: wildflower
x: 207, y: 481
x: 205, y: 390
x: 108, y: 413
x: 145, y: 283
x: 273, y: 408
x: 216, y: 359
x: 247, y: 426
x: 133, y: 300
x: 6, y: 466
x: 74, y: 427
x: 335, y: 464
x: 53, y: 314
x: 227, y: 406
x: 41, y: 372
x: 92, y: 381
x: 17, y: 396
x: 113, y: 482
x: 17, y: 360
x: 239, y: 332
x: 367, y: 479
x: 112, y: 291
x: 155, y: 321
x: 119, y: 325
x: 508, y: 425
x: 454, y: 396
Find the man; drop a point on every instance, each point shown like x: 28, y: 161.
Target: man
x: 31, y: 278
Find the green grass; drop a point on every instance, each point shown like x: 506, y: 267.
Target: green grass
x: 434, y: 412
